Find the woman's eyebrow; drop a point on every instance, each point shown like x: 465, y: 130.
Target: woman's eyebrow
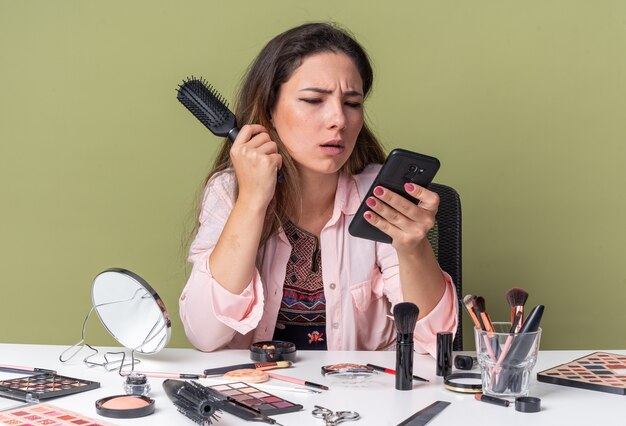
x: 328, y: 92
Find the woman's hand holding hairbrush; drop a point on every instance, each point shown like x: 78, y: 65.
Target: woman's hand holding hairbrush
x: 211, y: 109
x: 256, y: 161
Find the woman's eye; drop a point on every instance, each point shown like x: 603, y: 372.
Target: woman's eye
x: 311, y: 100
x: 353, y: 104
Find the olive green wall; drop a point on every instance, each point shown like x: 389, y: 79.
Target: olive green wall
x: 523, y: 102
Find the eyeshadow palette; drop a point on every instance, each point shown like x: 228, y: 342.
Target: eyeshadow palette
x: 46, y: 414
x: 44, y: 386
x: 255, y: 399
x: 599, y: 371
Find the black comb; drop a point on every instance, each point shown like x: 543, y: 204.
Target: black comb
x: 208, y: 106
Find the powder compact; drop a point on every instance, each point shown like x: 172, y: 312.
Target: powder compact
x: 273, y: 350
x: 463, y: 382
x: 348, y: 373
x: 125, y: 406
x: 44, y: 386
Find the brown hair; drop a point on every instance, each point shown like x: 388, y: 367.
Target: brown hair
x: 259, y: 93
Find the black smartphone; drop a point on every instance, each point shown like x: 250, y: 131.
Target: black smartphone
x: 400, y: 167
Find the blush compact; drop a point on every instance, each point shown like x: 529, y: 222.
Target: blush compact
x: 125, y: 406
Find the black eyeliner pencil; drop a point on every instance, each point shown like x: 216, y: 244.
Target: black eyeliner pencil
x: 390, y: 371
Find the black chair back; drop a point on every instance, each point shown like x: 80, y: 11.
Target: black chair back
x: 445, y: 238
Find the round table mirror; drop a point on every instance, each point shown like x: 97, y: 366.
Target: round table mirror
x: 131, y: 310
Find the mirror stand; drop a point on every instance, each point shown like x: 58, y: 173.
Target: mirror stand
x: 132, y: 312
x: 108, y: 364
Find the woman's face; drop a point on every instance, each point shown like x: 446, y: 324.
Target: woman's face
x: 319, y: 112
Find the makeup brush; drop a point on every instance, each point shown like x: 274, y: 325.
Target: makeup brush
x: 202, y: 404
x: 208, y: 106
x: 468, y: 303
x: 405, y: 316
x: 22, y: 369
x: 474, y: 309
x: 253, y: 365
x: 481, y: 306
x: 516, y: 297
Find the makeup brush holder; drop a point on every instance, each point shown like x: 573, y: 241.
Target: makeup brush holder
x: 506, y: 360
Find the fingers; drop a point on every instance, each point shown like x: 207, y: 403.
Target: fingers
x: 429, y: 200
x: 401, y: 218
x: 247, y: 132
x: 251, y: 135
x: 254, y: 155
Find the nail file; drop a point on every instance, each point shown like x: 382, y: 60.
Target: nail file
x: 425, y: 415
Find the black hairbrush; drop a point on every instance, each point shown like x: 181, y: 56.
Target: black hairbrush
x: 208, y: 106
x: 192, y: 401
x: 203, y: 405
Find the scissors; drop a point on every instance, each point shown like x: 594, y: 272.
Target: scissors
x: 333, y: 418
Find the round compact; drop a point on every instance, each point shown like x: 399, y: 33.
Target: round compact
x: 348, y: 373
x: 247, y: 375
x: 463, y: 382
x: 273, y: 350
x: 528, y: 404
x: 125, y: 406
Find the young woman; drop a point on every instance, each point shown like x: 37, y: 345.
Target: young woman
x: 274, y: 260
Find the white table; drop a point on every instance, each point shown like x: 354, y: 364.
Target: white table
x: 379, y: 403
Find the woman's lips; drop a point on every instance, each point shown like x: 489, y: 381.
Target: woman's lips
x: 332, y: 148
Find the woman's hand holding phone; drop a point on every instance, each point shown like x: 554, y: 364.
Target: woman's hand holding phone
x: 406, y: 222
x: 398, y: 208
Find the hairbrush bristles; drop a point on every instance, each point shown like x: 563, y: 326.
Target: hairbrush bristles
x: 194, y: 401
x: 405, y: 316
x: 208, y: 106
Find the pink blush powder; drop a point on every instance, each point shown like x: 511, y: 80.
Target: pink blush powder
x: 124, y: 403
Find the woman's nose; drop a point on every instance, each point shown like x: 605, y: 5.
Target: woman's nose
x: 337, y: 116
